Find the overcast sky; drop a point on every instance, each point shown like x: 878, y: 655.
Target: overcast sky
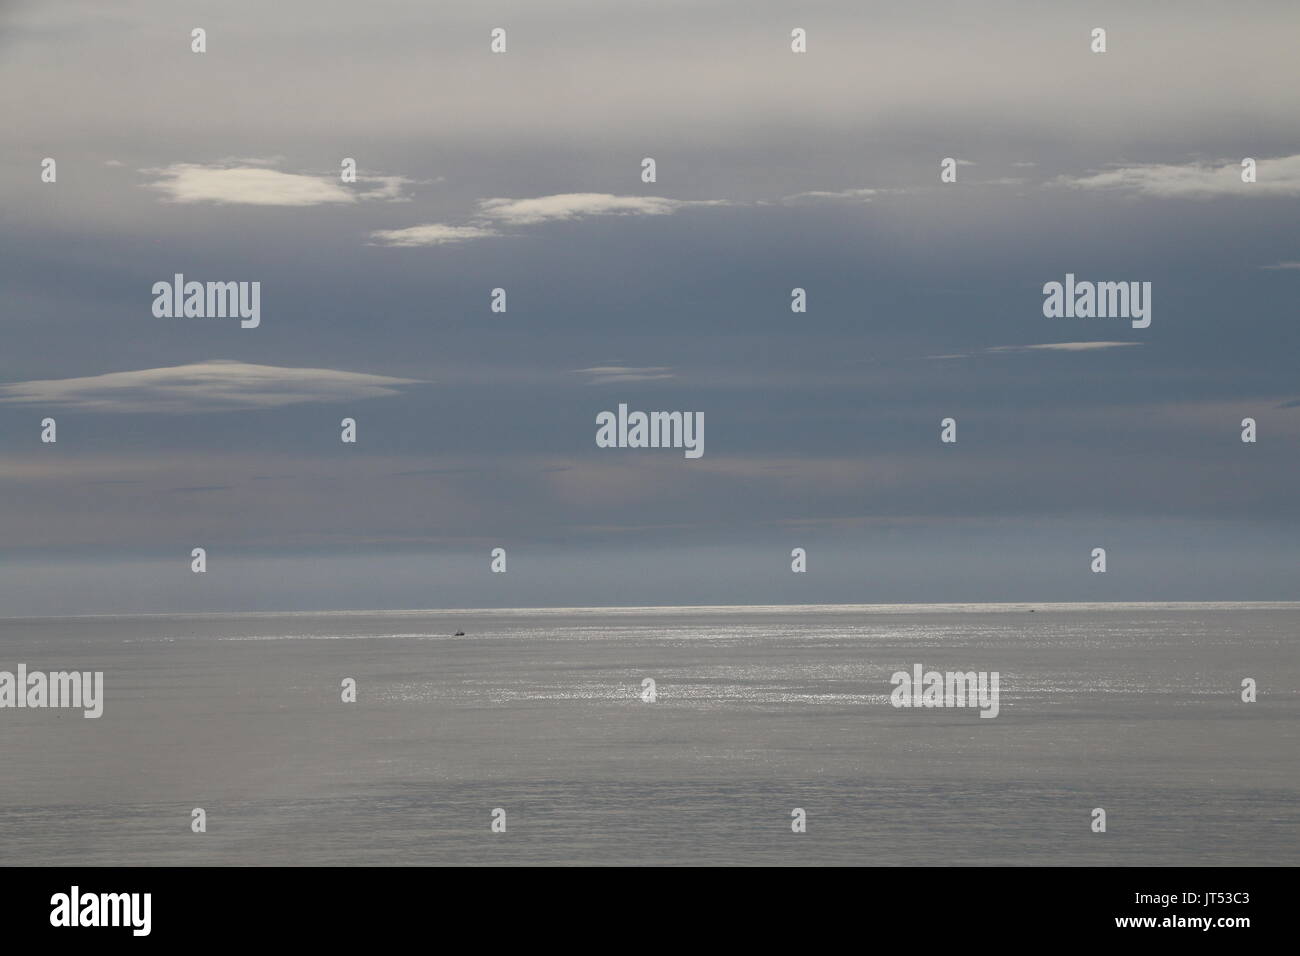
x: 522, y: 171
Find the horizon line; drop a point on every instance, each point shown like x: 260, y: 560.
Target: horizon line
x: 897, y: 607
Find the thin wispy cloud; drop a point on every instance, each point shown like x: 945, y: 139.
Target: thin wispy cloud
x: 841, y: 195
x: 1286, y: 266
x: 567, y: 206
x: 384, y: 188
x: 495, y: 214
x: 614, y: 374
x: 1062, y: 347
x: 418, y: 472
x: 430, y: 234
x: 1046, y: 347
x: 1274, y: 177
x: 216, y: 385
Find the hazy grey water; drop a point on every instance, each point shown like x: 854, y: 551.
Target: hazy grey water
x: 1134, y: 708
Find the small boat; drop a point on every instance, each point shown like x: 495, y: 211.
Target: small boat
x: 459, y: 634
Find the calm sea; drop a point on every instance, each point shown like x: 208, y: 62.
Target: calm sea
x: 1134, y: 708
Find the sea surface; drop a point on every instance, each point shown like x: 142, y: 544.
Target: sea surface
x: 1134, y: 708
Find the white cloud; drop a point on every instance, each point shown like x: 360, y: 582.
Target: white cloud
x: 529, y: 212
x: 249, y: 182
x: 248, y: 185
x: 216, y: 385
x: 1275, y: 177
x: 614, y: 374
x: 430, y: 234
x: 563, y: 206
x: 387, y: 188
